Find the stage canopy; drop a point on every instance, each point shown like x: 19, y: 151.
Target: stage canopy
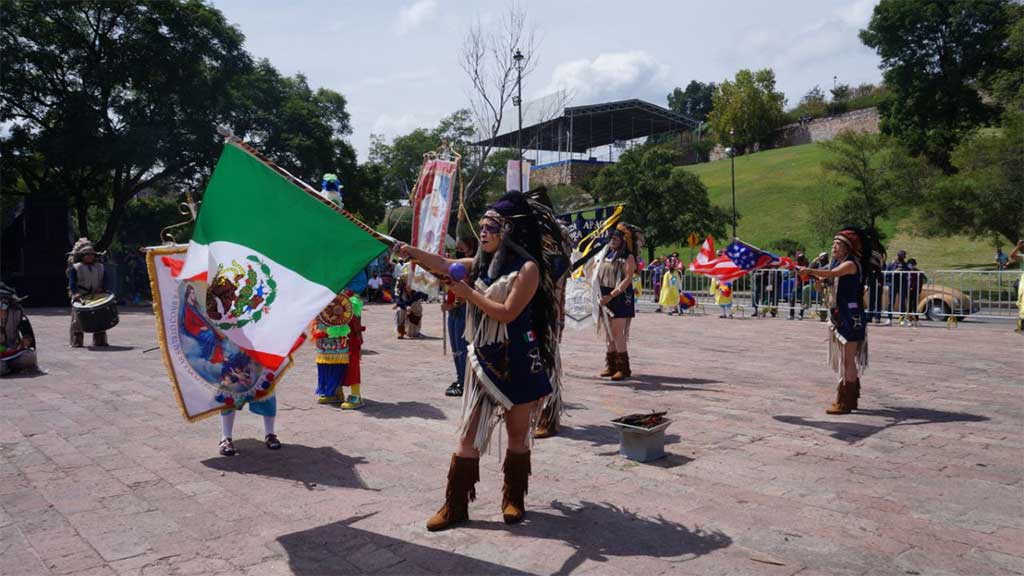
x: 582, y: 128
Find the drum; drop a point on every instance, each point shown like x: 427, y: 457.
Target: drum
x: 97, y: 312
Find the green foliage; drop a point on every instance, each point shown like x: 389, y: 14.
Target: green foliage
x: 875, y: 174
x: 665, y: 200
x: 936, y: 54
x: 110, y: 98
x: 866, y: 96
x: 786, y: 246
x: 695, y: 101
x: 986, y: 196
x: 749, y: 105
x: 106, y: 99
x: 782, y: 193
x: 1006, y: 83
x: 840, y: 98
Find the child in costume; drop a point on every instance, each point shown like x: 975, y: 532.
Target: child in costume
x: 330, y: 331
x: 722, y: 291
x: 353, y: 380
x: 330, y: 188
x: 669, y: 297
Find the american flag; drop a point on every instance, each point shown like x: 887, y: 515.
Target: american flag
x: 739, y: 259
x: 747, y: 257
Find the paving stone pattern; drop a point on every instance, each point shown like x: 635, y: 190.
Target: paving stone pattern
x: 100, y: 475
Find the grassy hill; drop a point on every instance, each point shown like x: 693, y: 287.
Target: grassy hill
x: 778, y: 192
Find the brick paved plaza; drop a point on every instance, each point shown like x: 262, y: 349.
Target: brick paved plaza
x: 99, y: 474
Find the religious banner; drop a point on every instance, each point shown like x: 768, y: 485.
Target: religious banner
x: 517, y: 175
x: 208, y: 371
x: 432, y: 205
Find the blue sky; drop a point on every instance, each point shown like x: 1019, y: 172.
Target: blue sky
x: 397, y: 62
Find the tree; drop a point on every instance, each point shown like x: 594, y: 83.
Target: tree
x: 840, y: 98
x: 985, y: 197
x: 106, y: 99
x: 487, y: 59
x: 936, y: 54
x: 813, y: 103
x: 665, y: 200
x: 750, y: 105
x: 109, y: 98
x: 875, y: 174
x: 694, y: 102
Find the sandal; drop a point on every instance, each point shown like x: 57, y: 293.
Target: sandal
x: 272, y: 442
x: 227, y: 448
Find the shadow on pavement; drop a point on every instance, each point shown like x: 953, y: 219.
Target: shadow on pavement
x: 110, y: 348
x: 853, y: 432
x: 403, y: 410
x: 328, y: 550
x: 651, y: 383
x: 598, y: 531
x: 310, y: 466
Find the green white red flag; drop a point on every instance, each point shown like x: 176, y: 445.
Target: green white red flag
x: 272, y: 253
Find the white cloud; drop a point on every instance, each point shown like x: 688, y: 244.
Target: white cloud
x: 610, y: 76
x: 415, y: 15
x: 391, y: 125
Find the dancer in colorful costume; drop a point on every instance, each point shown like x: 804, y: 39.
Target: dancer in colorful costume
x: 17, y: 339
x: 353, y: 375
x: 855, y: 254
x: 613, y: 278
x: 408, y: 308
x: 337, y: 333
x: 512, y: 327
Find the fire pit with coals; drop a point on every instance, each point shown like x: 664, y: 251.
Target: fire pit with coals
x: 642, y: 436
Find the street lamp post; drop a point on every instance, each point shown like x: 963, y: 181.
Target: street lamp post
x: 518, y: 101
x: 731, y: 151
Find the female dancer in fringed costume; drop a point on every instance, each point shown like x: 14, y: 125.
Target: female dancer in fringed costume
x: 512, y: 330
x: 613, y: 273
x: 854, y: 254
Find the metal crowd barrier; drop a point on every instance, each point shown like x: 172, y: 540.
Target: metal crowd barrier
x: 896, y: 297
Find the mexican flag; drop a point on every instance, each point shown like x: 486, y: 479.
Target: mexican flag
x: 271, y: 253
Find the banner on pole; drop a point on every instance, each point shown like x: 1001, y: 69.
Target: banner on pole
x: 513, y: 175
x: 209, y: 372
x: 432, y: 206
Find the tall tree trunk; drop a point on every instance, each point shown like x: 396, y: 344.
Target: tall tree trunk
x: 82, y: 215
x: 113, y: 220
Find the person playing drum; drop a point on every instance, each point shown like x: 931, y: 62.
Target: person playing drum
x: 86, y: 277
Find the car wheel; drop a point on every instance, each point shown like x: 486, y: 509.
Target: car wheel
x: 937, y: 311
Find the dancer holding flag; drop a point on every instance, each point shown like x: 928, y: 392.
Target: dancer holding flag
x: 854, y: 255
x: 511, y: 325
x: 616, y: 265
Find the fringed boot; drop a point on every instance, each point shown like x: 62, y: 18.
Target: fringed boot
x: 463, y: 474
x: 610, y: 364
x: 547, y: 424
x: 842, y: 403
x: 854, y: 394
x: 517, y: 485
x: 622, y: 367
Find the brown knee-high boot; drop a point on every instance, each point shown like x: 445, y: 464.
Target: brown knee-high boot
x: 610, y: 364
x: 622, y: 370
x: 517, y: 484
x: 854, y: 394
x: 463, y: 474
x: 842, y: 403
